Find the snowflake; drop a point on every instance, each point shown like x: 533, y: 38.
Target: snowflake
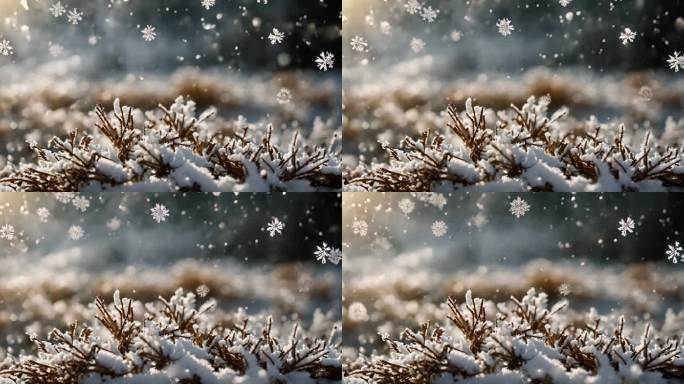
x: 149, y: 33
x: 202, y: 290
x: 276, y: 36
x: 284, y: 96
x: 428, y: 14
x: 439, y: 228
x: 676, y: 61
x: 626, y: 226
x: 627, y: 36
x: 406, y: 206
x: 564, y: 289
x: 360, y: 227
x: 159, y: 213
x: 519, y: 207
x: 417, y: 44
x: 57, y: 9
x: 7, y: 232
x: 5, y: 48
x: 673, y: 252
x: 565, y: 3
x: 325, y: 61
x: 43, y: 214
x: 505, y: 27
x: 81, y: 203
x: 75, y: 16
x: 322, y: 253
x: 275, y: 227
x: 207, y: 4
x: 114, y: 224
x: 359, y: 44
x: 76, y: 232
x: 412, y: 6
x: 335, y: 256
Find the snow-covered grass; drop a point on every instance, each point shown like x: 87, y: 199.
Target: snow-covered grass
x: 527, y: 148
x: 50, y: 295
x: 176, y: 149
x: 522, y: 340
x: 177, y: 340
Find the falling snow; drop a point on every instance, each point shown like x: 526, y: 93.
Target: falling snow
x: 159, y: 213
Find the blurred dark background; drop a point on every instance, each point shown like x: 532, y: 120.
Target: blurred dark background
x: 232, y: 33
x: 584, y: 34
x: 200, y: 226
x: 481, y: 229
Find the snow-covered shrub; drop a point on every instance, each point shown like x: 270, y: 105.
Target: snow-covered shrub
x: 525, y: 149
x: 175, y: 341
x: 523, y: 340
x: 173, y: 149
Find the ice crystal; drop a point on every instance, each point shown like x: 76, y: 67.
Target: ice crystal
x: 674, y: 252
x: 276, y: 36
x: 275, y: 227
x: 75, y: 16
x: 627, y: 36
x: 202, y: 290
x: 207, y: 4
x: 359, y: 44
x: 75, y: 232
x: 325, y: 61
x: 505, y: 27
x: 7, y: 232
x: 439, y: 228
x: 519, y: 207
x: 43, y: 214
x: 564, y: 289
x: 57, y: 9
x: 6, y: 48
x: 159, y: 213
x: 676, y: 61
x: 429, y: 14
x: 322, y: 252
x: 360, y: 227
x: 335, y: 256
x: 81, y: 203
x: 626, y: 226
x: 148, y: 33
x: 412, y: 6
x: 406, y: 205
x: 417, y: 44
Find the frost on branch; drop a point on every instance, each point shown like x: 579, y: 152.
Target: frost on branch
x: 175, y: 340
x: 523, y: 340
x: 525, y: 149
x: 172, y: 149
